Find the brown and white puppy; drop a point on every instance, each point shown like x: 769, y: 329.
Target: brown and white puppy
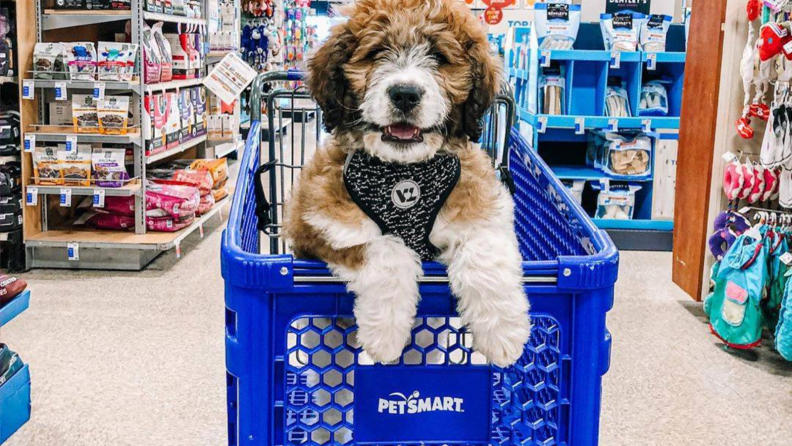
x: 434, y: 55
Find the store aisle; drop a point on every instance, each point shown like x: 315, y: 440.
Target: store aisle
x: 157, y: 376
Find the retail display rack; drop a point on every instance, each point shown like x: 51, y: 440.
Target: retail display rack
x: 15, y: 392
x: 54, y: 247
x: 562, y: 139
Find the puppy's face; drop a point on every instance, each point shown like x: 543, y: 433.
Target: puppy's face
x: 406, y: 75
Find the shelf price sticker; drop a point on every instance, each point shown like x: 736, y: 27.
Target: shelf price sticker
x: 615, y: 60
x: 60, y: 91
x: 729, y: 157
x: 73, y: 251
x: 651, y: 61
x: 31, y: 196
x: 544, y: 59
x: 613, y: 125
x: 28, y: 90
x: 646, y: 124
x: 201, y: 230
x: 580, y: 126
x: 541, y: 124
x: 786, y: 258
x: 99, y: 91
x: 99, y: 198
x: 29, y: 143
x: 65, y: 197
x: 71, y: 143
x: 178, y: 250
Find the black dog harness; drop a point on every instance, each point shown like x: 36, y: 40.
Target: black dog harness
x: 403, y: 199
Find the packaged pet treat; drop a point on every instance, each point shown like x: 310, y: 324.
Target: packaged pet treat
x: 70, y: 4
x: 46, y: 167
x: 113, y: 60
x: 109, y: 168
x: 156, y: 114
x: 85, y: 114
x: 617, y: 102
x: 81, y: 60
x: 76, y: 166
x: 557, y: 24
x: 154, y: 5
x: 48, y: 61
x: 631, y: 157
x: 187, y: 116
x: 166, y: 57
x: 621, y: 31
x: 616, y: 201
x: 198, y: 96
x: 173, y: 123
x: 653, y: 33
x: 152, y: 59
x: 552, y: 91
x: 654, y: 99
x: 113, y: 114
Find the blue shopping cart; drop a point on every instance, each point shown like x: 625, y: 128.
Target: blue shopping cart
x: 296, y: 373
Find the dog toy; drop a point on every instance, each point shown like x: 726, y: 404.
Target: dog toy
x: 748, y: 182
x: 733, y: 180
x: 757, y: 192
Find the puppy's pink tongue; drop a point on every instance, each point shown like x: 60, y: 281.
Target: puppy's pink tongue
x: 401, y: 131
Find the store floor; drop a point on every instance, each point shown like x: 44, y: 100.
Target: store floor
x: 138, y: 359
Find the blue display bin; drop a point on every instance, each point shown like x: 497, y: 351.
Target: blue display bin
x: 14, y: 393
x: 296, y: 374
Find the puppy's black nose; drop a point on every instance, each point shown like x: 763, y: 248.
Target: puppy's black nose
x: 405, y: 97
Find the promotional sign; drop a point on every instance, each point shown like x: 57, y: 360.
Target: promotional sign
x: 493, y: 15
x: 641, y: 6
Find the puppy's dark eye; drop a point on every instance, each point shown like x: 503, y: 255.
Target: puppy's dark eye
x: 440, y: 58
x: 373, y: 53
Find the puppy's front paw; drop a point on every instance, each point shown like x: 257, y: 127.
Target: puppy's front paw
x: 384, y: 343
x: 503, y: 342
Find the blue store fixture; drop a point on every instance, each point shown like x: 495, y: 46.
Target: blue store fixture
x: 296, y: 374
x: 561, y: 139
x: 14, y: 393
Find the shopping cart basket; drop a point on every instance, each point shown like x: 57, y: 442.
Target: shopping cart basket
x: 296, y: 373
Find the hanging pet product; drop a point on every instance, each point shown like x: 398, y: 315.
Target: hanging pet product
x: 756, y: 68
x: 552, y: 89
x: 557, y: 24
x: 616, y: 201
x: 620, y: 31
x: 631, y: 158
x: 654, y: 32
x: 654, y: 99
x: 617, y: 103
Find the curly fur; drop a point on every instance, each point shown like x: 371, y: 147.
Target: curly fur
x: 440, y: 46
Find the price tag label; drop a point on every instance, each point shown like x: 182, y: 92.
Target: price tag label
x: 786, y: 258
x: 580, y: 126
x: 729, y: 157
x: 31, y: 197
x: 28, y: 90
x: 65, y: 197
x: 615, y: 61
x: 613, y: 125
x: 541, y: 125
x: 71, y: 143
x: 30, y: 143
x: 651, y: 61
x: 178, y: 250
x: 99, y: 90
x: 647, y: 125
x: 60, y: 91
x: 99, y: 198
x: 200, y: 230
x: 545, y: 59
x: 73, y: 251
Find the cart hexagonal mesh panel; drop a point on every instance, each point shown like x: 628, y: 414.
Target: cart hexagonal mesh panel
x: 323, y: 354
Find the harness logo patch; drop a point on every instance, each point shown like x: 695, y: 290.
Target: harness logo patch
x: 399, y: 404
x: 406, y: 194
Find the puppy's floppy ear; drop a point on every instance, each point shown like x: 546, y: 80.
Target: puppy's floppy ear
x: 485, y: 84
x: 326, y: 79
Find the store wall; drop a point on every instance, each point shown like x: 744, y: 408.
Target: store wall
x: 591, y: 9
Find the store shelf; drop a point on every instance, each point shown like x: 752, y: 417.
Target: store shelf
x: 593, y: 55
x: 667, y: 57
x: 178, y: 149
x: 184, y: 83
x: 228, y: 148
x: 157, y: 17
x: 14, y: 308
x: 14, y: 403
x: 133, y: 85
x: 589, y: 173
x: 8, y: 80
x: 57, y: 19
x: 600, y: 122
x: 57, y: 134
x: 125, y: 191
x: 636, y: 225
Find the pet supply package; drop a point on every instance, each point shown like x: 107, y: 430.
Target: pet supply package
x: 155, y: 115
x: 109, y: 168
x: 60, y: 113
x: 654, y: 99
x: 48, y: 61
x: 206, y: 204
x: 575, y: 189
x: 46, y: 167
x: 621, y: 31
x: 10, y: 178
x: 116, y: 61
x: 616, y: 201
x: 113, y: 114
x: 81, y: 60
x: 173, y: 122
x: 218, y: 168
x: 187, y: 115
x: 552, y: 91
x: 198, y: 96
x: 85, y: 114
x: 617, y: 102
x: 199, y: 179
x: 168, y: 224
x: 557, y: 24
x: 629, y: 157
x: 654, y: 31
x: 152, y: 59
x: 186, y: 59
x: 178, y: 201
x: 166, y: 57
x: 75, y: 165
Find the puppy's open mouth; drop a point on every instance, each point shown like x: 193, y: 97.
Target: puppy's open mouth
x: 402, y: 133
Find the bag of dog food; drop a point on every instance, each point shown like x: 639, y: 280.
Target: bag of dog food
x: 109, y: 168
x: 557, y: 24
x: 198, y: 97
x: 177, y: 201
x: 169, y: 224
x: 653, y: 33
x: 187, y: 116
x: 621, y: 31
x: 104, y: 220
x: 113, y: 114
x: 85, y: 114
x: 217, y: 167
x: 152, y: 59
x: 81, y: 60
x: 76, y: 166
x: 199, y: 179
x: 48, y: 61
x: 206, y: 205
x: 166, y: 56
x: 46, y: 167
x: 114, y: 60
